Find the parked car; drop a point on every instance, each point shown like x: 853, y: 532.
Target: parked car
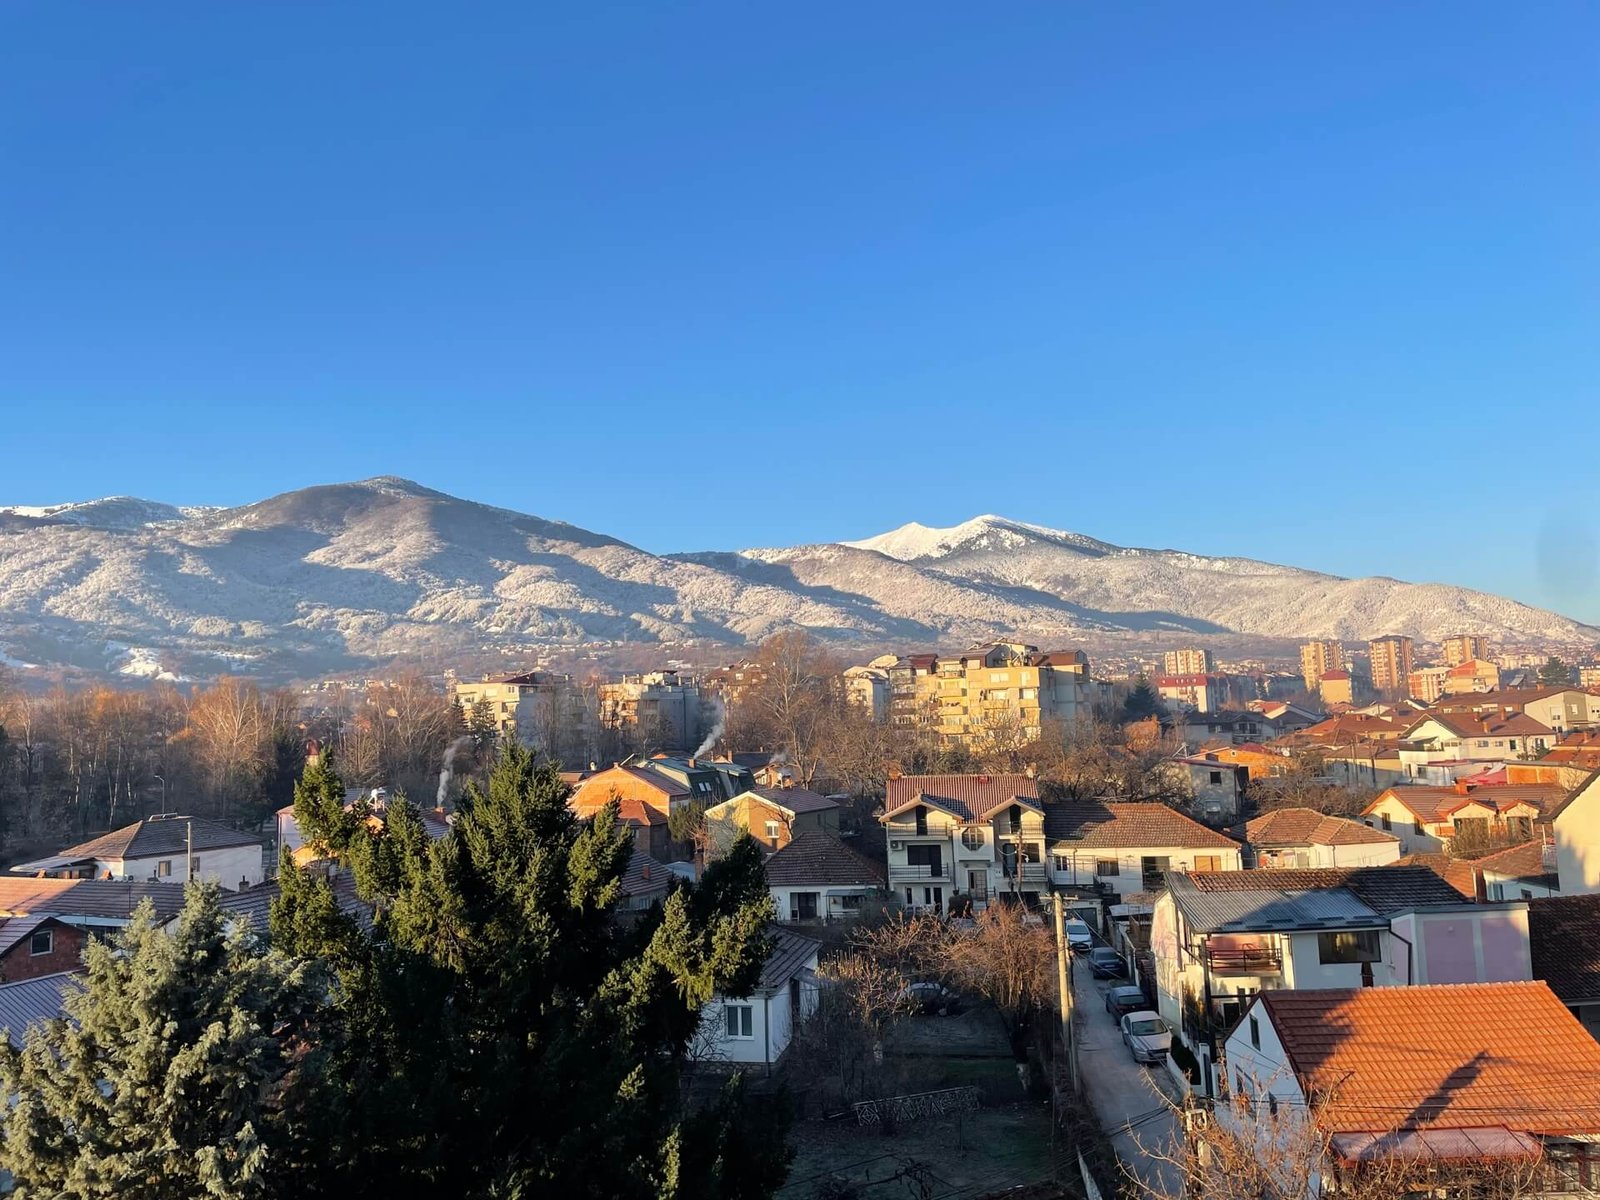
x: 1147, y: 1035
x: 1123, y: 1000
x: 930, y: 997
x: 1106, y: 963
x: 1078, y: 936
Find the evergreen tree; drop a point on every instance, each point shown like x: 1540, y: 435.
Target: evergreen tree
x: 481, y: 726
x: 1555, y: 673
x: 176, y: 1075
x: 497, y: 1032
x: 1142, y: 702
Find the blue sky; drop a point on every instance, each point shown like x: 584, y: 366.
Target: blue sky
x: 1313, y: 283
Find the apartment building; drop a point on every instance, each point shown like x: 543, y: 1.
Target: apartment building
x: 516, y: 701
x: 1464, y: 647
x: 1002, y: 691
x: 1317, y: 659
x: 1336, y: 687
x: 1188, y: 660
x: 914, y: 691
x: 663, y: 703
x: 1474, y: 675
x: 1392, y: 662
x: 1201, y: 693
x: 1427, y: 683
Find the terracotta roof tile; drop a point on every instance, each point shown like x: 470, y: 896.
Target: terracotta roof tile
x: 1308, y: 827
x: 1452, y: 1057
x: 1564, y: 935
x: 1526, y: 861
x: 820, y: 858
x: 1457, y: 872
x: 1114, y: 824
x: 964, y: 796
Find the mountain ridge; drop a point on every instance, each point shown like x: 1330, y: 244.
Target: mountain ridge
x: 340, y: 574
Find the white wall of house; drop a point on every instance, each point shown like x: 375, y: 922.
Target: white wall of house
x: 225, y: 866
x: 1577, y: 831
x: 1362, y: 854
x: 969, y: 853
x: 834, y: 902
x: 1122, y: 869
x: 1484, y: 943
x: 770, y: 1020
x: 1511, y: 887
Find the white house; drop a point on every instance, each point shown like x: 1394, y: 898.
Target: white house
x: 1575, y: 823
x: 1488, y: 1072
x: 816, y: 877
x: 980, y: 835
x: 1524, y: 872
x: 166, y: 848
x: 1219, y: 939
x: 1303, y: 837
x: 755, y: 1030
x: 1123, y: 848
x: 1482, y: 738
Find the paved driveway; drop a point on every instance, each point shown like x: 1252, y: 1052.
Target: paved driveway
x: 1130, y: 1100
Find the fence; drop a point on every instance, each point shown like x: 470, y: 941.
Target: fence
x: 917, y: 1104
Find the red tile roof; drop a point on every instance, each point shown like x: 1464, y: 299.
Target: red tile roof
x: 1526, y: 861
x: 1463, y: 1056
x: 824, y: 860
x: 1110, y: 825
x: 1457, y: 872
x: 1308, y: 827
x: 1437, y: 803
x: 967, y: 797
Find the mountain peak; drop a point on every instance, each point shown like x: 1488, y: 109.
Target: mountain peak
x: 914, y: 541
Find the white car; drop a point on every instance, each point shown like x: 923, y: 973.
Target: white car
x: 1079, y: 939
x: 1147, y: 1035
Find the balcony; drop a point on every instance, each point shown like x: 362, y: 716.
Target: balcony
x: 916, y: 873
x: 1243, y: 959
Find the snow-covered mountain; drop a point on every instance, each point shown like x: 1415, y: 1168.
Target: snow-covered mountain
x: 345, y: 574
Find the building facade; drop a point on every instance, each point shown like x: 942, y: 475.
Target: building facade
x: 1189, y: 660
x: 1463, y: 647
x: 1392, y: 662
x: 1317, y: 659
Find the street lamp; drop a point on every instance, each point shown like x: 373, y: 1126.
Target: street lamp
x: 163, y: 780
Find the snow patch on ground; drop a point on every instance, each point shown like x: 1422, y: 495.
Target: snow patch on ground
x: 141, y: 662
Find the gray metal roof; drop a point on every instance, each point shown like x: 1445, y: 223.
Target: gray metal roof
x: 30, y: 1001
x: 1267, y: 910
x: 791, y: 954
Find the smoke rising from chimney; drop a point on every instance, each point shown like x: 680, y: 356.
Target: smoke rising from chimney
x: 717, y: 727
x: 448, y: 770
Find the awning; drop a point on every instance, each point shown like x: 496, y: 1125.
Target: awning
x: 1434, y: 1145
x: 55, y: 863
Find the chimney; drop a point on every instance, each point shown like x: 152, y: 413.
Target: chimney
x: 1463, y: 787
x: 646, y: 871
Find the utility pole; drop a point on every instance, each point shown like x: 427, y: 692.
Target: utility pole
x: 188, y: 852
x: 1064, y: 986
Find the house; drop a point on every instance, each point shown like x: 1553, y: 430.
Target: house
x: 1336, y: 687
x: 88, y: 904
x: 1199, y: 692
x: 1215, y: 788
x: 1459, y: 873
x: 156, y: 848
x: 29, y: 1002
x: 1489, y: 1071
x: 1303, y: 837
x: 1575, y: 823
x: 1522, y: 872
x: 645, y: 800
x: 708, y: 781
x: 1581, y: 749
x: 1286, y: 716
x: 255, y: 904
x: 1258, y: 761
x: 867, y: 687
x: 755, y: 1030
x: 435, y: 822
x: 1432, y: 818
x: 771, y: 815
x: 1228, y: 726
x: 39, y: 944
x: 1564, y: 935
x: 1474, y: 675
x: 1558, y: 709
x: 1372, y: 764
x: 982, y: 835
x: 1119, y: 849
x: 815, y: 876
x: 1218, y: 939
x: 644, y: 884
x: 1492, y: 737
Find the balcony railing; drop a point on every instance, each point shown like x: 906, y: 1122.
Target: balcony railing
x: 916, y: 872
x: 1244, y: 960
x: 1029, y: 872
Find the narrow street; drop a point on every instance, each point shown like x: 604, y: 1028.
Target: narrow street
x: 1131, y: 1101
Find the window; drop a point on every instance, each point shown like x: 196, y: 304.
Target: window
x: 1348, y: 946
x: 1255, y: 1033
x: 41, y: 942
x: 1061, y: 862
x: 922, y: 821
x: 773, y: 829
x: 1527, y: 893
x: 926, y: 856
x: 1216, y: 777
x: 802, y: 906
x: 1387, y: 823
x: 1272, y: 1104
x: 1416, y: 825
x: 164, y: 867
x: 972, y: 837
x: 1208, y: 862
x: 1154, y: 869
x: 1032, y: 852
x: 850, y: 903
x: 740, y: 1021
x: 1107, y: 868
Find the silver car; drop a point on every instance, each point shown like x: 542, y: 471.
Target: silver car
x: 1147, y: 1035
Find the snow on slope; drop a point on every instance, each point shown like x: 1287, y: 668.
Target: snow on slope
x: 357, y: 572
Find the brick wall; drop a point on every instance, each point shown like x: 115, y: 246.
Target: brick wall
x: 66, y: 954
